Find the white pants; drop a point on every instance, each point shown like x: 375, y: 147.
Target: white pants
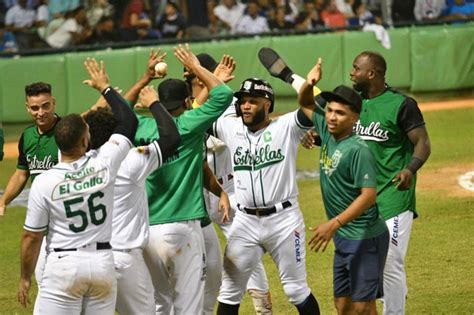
x: 394, y: 277
x: 176, y: 259
x: 282, y: 235
x: 213, y: 269
x: 78, y: 282
x: 258, y: 279
x: 134, y: 286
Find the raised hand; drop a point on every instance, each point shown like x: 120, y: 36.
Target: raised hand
x: 155, y: 58
x: 225, y: 68
x: 148, y: 96
x: 98, y: 76
x: 186, y: 57
x: 315, y: 74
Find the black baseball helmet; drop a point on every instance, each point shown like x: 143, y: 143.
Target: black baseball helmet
x: 255, y: 87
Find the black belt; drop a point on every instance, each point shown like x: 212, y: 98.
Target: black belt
x: 99, y: 246
x: 229, y: 178
x: 262, y: 212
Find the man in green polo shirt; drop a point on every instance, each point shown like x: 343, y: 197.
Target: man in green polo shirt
x: 37, y: 148
x: 348, y: 185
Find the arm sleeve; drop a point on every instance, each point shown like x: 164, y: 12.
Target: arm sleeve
x: 302, y: 120
x: 409, y: 116
x: 169, y: 136
x: 126, y: 120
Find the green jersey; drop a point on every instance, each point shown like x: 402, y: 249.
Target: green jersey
x: 175, y: 189
x: 384, y: 123
x: 37, y: 152
x: 346, y: 166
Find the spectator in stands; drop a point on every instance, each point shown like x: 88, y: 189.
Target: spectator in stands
x: 309, y: 18
x: 291, y: 9
x: 363, y: 15
x: 196, y: 14
x: 19, y: 21
x: 279, y: 23
x: 73, y: 31
x: 332, y: 17
x: 252, y: 22
x: 136, y: 23
x: 104, y: 32
x: 428, y: 10
x: 345, y: 7
x: 42, y: 18
x: 171, y: 24
x: 229, y: 13
x: 403, y: 11
x: 8, y: 41
x: 96, y: 10
x: 460, y: 10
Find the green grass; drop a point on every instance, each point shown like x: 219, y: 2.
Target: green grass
x: 439, y: 259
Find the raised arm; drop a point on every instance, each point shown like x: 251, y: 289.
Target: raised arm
x: 305, y: 95
x: 190, y: 62
x: 126, y: 120
x: 223, y: 71
x: 150, y: 74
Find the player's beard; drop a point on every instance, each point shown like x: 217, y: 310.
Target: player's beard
x: 361, y: 86
x: 256, y: 119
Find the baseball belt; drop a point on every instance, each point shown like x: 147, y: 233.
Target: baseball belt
x: 263, y: 211
x: 99, y: 246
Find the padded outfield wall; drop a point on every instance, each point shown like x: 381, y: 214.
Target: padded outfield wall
x: 431, y: 58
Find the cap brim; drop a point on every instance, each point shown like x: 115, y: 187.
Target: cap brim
x: 329, y: 96
x: 239, y: 94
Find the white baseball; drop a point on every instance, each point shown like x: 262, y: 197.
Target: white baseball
x: 161, y: 68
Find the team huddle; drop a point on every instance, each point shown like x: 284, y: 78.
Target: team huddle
x: 121, y: 207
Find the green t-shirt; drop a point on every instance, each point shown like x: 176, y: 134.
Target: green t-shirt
x: 37, y: 152
x: 346, y: 166
x: 1, y: 143
x: 384, y: 122
x: 175, y: 189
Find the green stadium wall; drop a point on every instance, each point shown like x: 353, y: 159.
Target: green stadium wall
x: 432, y: 58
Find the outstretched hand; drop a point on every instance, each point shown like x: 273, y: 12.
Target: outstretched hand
x: 315, y: 74
x: 155, y: 58
x: 98, y: 76
x: 186, y: 57
x: 148, y: 96
x: 225, y: 68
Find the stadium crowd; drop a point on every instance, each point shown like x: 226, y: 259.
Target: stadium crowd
x: 27, y: 24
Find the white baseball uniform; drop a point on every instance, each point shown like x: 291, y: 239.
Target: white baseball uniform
x: 264, y: 165
x: 130, y: 231
x: 74, y: 202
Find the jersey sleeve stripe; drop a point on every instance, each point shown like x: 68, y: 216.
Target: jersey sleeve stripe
x: 35, y: 229
x: 299, y: 124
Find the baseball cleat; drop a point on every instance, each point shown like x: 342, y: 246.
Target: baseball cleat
x: 274, y: 64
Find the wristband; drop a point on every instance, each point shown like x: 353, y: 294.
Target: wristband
x: 415, y: 164
x: 338, y: 221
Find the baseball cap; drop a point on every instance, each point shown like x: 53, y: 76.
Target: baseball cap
x: 172, y: 93
x: 345, y: 95
x: 256, y: 87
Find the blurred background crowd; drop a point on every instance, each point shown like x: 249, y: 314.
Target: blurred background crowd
x: 45, y: 24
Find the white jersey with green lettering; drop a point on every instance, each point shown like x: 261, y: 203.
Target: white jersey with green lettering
x: 264, y: 162
x: 74, y: 201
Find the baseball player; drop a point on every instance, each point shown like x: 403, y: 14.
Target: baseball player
x: 130, y: 226
x: 348, y: 186
x: 393, y: 127
x: 175, y: 193
x: 268, y: 219
x: 219, y: 161
x: 73, y: 201
x: 37, y: 148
